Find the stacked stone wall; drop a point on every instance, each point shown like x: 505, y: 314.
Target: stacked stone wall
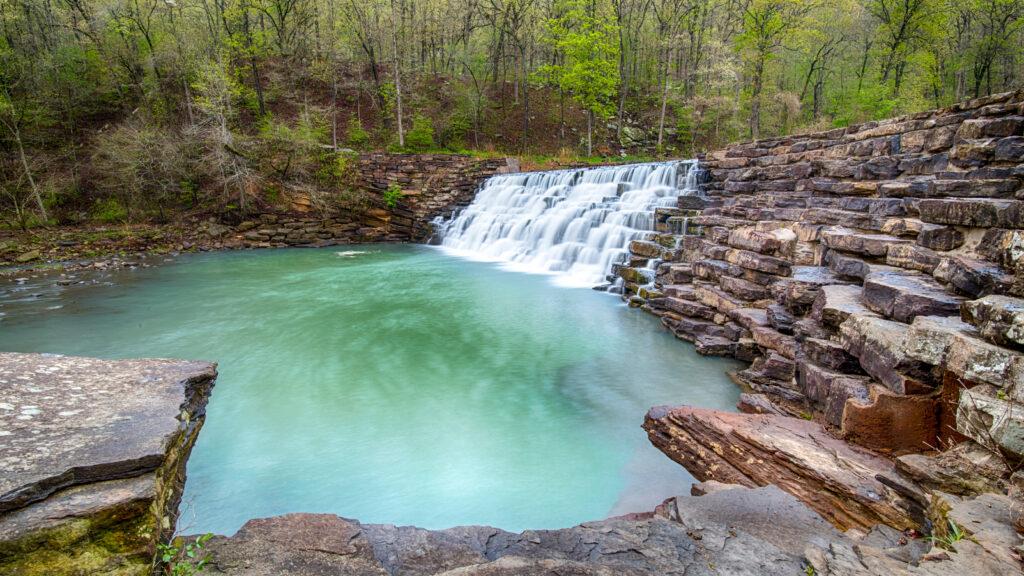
x: 872, y: 275
x: 431, y: 185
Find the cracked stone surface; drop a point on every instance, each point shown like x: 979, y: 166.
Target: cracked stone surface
x: 93, y: 455
x: 67, y: 420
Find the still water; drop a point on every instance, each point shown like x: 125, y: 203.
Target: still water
x: 393, y: 384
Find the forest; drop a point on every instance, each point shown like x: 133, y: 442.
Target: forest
x: 119, y: 111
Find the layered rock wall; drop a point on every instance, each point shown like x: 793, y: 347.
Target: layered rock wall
x: 872, y: 275
x: 429, y: 185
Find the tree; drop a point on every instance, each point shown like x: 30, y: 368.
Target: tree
x: 584, y: 36
x: 766, y: 25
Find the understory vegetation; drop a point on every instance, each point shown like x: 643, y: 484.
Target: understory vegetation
x: 120, y: 111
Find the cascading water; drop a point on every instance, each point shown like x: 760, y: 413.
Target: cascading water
x: 572, y: 223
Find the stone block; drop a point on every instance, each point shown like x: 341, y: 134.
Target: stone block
x: 829, y: 391
x: 834, y: 304
x: 971, y: 276
x: 930, y: 337
x: 875, y: 245
x: 780, y: 318
x: 743, y: 289
x: 749, y: 317
x: 938, y: 237
x: 759, y: 262
x: 902, y: 296
x: 775, y: 340
x: 912, y: 257
x: 892, y: 423
x: 879, y: 345
x: 995, y: 423
x: 830, y: 354
x: 974, y: 212
x: 998, y: 318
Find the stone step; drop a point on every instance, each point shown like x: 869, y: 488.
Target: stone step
x: 974, y: 212
x: 759, y: 262
x: 771, y: 369
x: 749, y: 317
x: 828, y: 390
x: 879, y: 345
x: 780, y: 319
x: 714, y: 346
x: 998, y: 318
x: 684, y: 291
x: 958, y: 347
x: 771, y: 339
x: 846, y: 240
x: 673, y: 273
x: 913, y: 257
x: 834, y: 304
x: 711, y: 295
x: 830, y: 354
x: 743, y: 289
x: 973, y: 277
x: 684, y: 307
x: 762, y: 242
x: 939, y: 237
x: 978, y: 188
x: 689, y: 329
x: 847, y: 218
x: 904, y: 295
x: 798, y: 291
x: 710, y: 269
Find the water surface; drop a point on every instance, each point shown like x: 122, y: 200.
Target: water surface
x: 393, y: 385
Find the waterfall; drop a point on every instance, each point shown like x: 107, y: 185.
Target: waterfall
x: 574, y: 224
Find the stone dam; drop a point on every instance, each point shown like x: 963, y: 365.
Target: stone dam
x: 871, y: 275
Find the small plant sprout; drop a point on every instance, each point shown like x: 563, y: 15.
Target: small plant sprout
x: 177, y: 556
x: 946, y: 542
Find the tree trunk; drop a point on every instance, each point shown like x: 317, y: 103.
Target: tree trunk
x: 590, y: 143
x: 398, y: 85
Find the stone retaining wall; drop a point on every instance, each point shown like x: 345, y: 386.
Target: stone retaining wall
x: 431, y: 185
x: 871, y: 274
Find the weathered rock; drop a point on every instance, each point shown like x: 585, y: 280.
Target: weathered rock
x: 833, y: 478
x: 774, y: 340
x: 880, y: 346
x: 893, y: 423
x: 79, y: 494
x: 834, y: 304
x: 995, y: 423
x: 27, y: 256
x: 867, y: 244
x: 780, y: 318
x: 749, y: 317
x: 975, y: 212
x: 902, y: 296
x: 912, y: 257
x: 759, y: 262
x: 972, y: 277
x: 936, y: 237
x: 830, y: 354
x: 829, y: 391
x: 998, y: 318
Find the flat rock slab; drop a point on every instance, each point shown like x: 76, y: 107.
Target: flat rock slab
x: 902, y: 296
x: 837, y: 480
x: 66, y: 421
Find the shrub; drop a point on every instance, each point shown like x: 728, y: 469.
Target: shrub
x: 421, y: 137
x: 357, y: 136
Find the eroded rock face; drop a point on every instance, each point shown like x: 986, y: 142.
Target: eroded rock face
x: 837, y: 480
x: 94, y: 458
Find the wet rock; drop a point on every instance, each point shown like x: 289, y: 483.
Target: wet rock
x: 833, y: 478
x: 998, y: 318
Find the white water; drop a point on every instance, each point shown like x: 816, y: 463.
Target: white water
x: 571, y: 223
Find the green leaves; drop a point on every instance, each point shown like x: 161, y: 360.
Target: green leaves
x: 587, y: 40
